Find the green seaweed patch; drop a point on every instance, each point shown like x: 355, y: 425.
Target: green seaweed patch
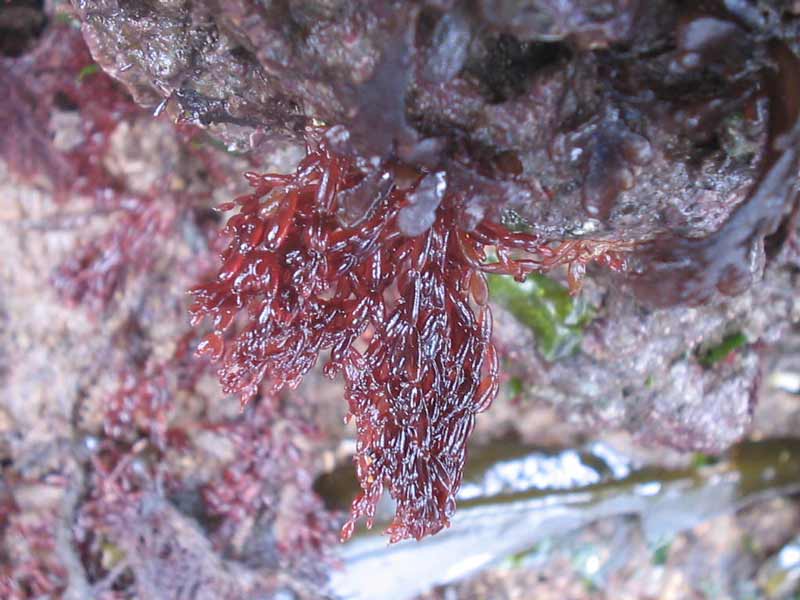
x: 515, y: 387
x: 700, y: 460
x: 536, y: 554
x: 546, y: 308
x: 661, y: 555
x: 721, y: 351
x: 87, y: 71
x: 65, y: 18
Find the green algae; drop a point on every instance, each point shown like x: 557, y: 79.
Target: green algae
x: 721, y: 351
x: 544, y: 306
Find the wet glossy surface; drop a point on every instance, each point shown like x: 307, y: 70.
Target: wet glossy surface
x: 502, y: 520
x: 678, y: 270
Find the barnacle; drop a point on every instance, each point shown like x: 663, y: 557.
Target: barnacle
x: 399, y: 298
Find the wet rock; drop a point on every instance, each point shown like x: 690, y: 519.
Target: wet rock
x: 626, y: 120
x: 590, y: 24
x: 779, y: 577
x: 643, y: 370
x: 416, y: 218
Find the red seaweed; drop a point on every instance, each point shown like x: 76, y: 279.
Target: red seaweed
x: 98, y: 269
x: 270, y: 463
x: 29, y: 564
x: 401, y: 303
x: 58, y: 75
